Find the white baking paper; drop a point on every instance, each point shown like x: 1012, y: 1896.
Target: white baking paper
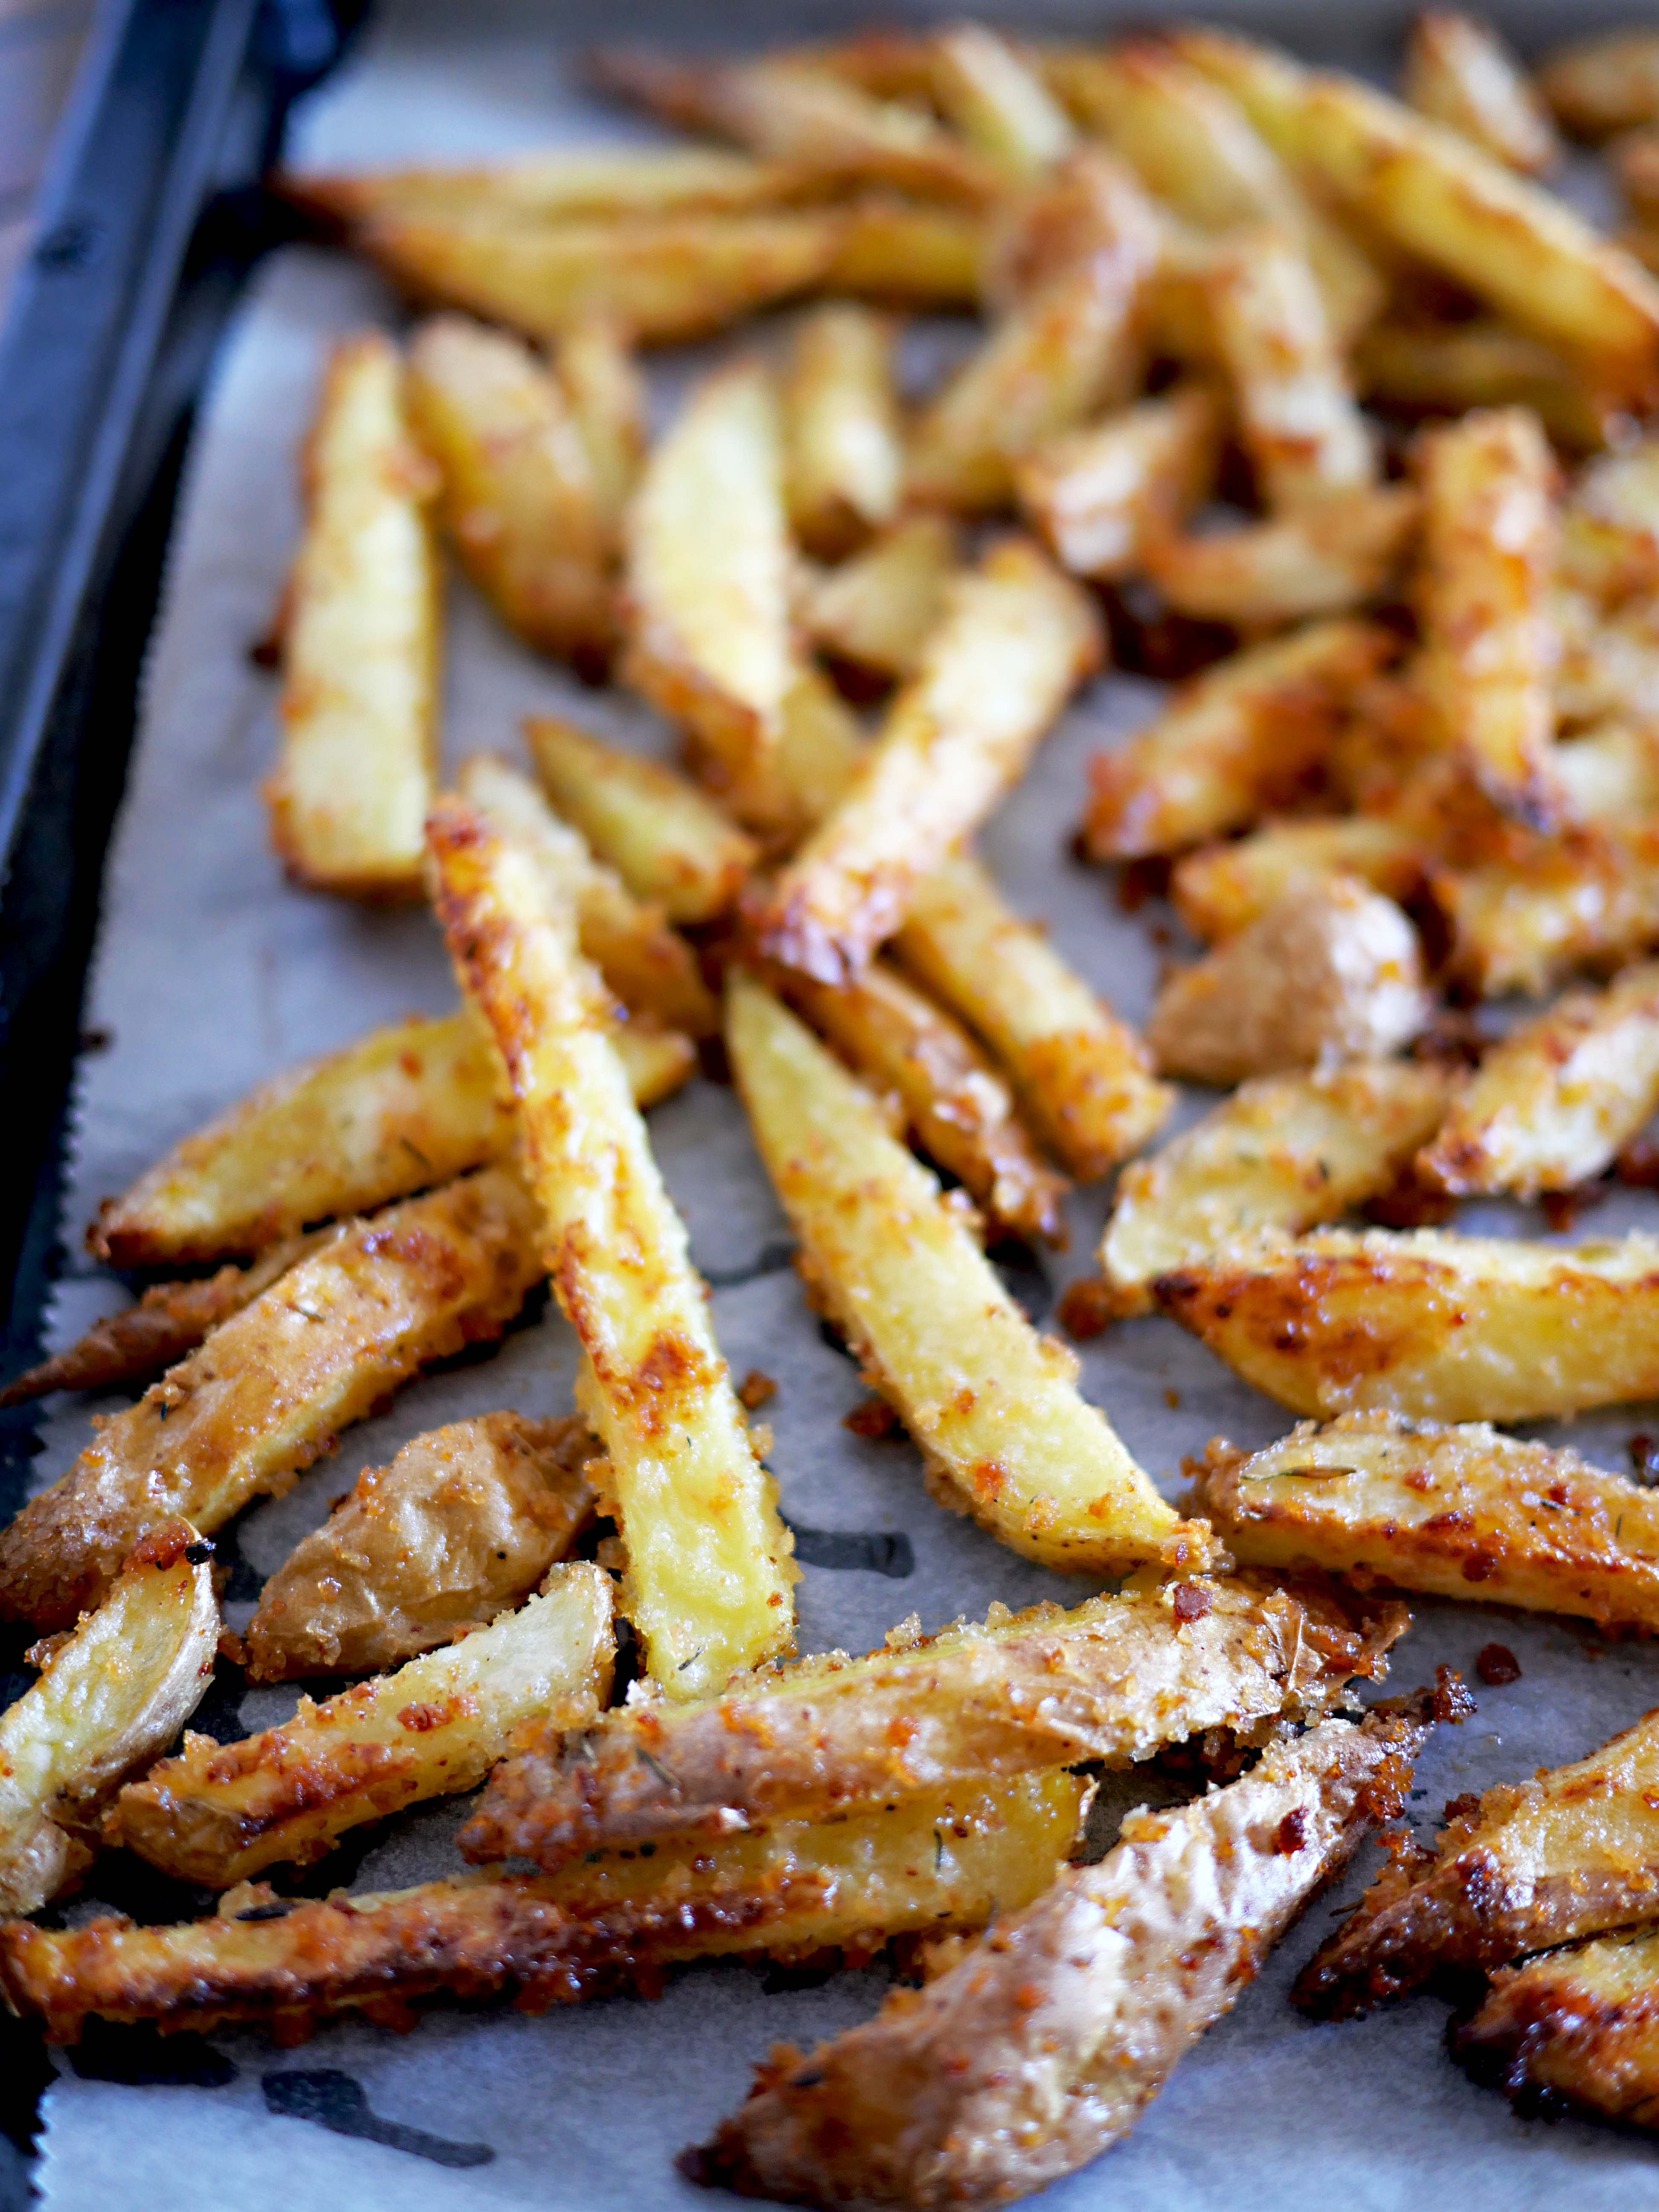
x: 213, y: 974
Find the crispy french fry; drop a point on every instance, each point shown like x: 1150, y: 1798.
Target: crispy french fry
x: 360, y: 657
x: 991, y: 1406
x: 1285, y: 1152
x: 1015, y: 639
x: 668, y: 842
x: 108, y: 1699
x: 607, y: 399
x: 1093, y: 493
x: 1610, y: 774
x: 1429, y: 1324
x: 1603, y: 84
x: 1524, y: 1866
x: 1040, y: 2047
x: 1000, y: 107
x: 520, y: 501
x: 271, y: 1388
x: 463, y: 1524
x: 1245, y: 735
x: 1441, y: 369
x: 1460, y: 1512
x: 875, y: 609
x: 1322, y: 560
x: 709, y: 1568
x: 1608, y: 664
x: 907, y: 254
x: 1633, y: 160
x: 1587, y: 900
x: 845, y: 464
x: 1221, y: 888
x: 1610, y: 524
x: 1577, y: 2025
x: 957, y: 1107
x: 1459, y: 72
x: 829, y: 1735
x: 794, y: 1890
x: 218, y: 1814
x: 408, y: 1107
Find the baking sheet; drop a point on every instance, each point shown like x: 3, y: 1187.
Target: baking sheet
x: 213, y: 974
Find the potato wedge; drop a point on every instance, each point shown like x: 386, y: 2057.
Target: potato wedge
x: 709, y: 1574
x: 1605, y: 83
x: 1222, y: 888
x: 1322, y: 560
x: 1524, y: 1866
x: 1633, y: 160
x: 1429, y: 1324
x: 268, y: 1392
x: 991, y: 1406
x: 794, y: 1891
x: 461, y: 1526
x: 220, y: 1812
x: 360, y: 655
x: 1608, y: 667
x: 668, y: 842
x: 1577, y: 2026
x: 1610, y: 524
x: 553, y: 186
x: 1039, y: 2048
x: 109, y: 1699
x: 845, y: 467
x: 1246, y: 735
x: 1587, y: 900
x: 1001, y: 107
x: 601, y: 381
x: 876, y: 611
x: 1016, y: 639
x: 1459, y: 72
x: 1331, y: 973
x: 1093, y: 494
x: 904, y: 254
x: 1285, y: 1152
x: 1460, y: 1512
x: 1610, y: 774
x: 1441, y: 369
x: 1141, y: 1670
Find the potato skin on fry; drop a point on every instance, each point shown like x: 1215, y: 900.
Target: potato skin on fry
x: 1605, y: 83
x: 1219, y: 889
x: 1579, y: 2026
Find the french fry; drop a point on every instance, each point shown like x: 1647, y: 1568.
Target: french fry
x: 108, y: 1699
x: 607, y: 397
x: 1433, y: 1325
x: 1590, y: 899
x: 1015, y: 639
x: 1093, y: 493
x: 1441, y: 369
x: 1610, y: 524
x: 648, y: 966
x: 1460, y: 1512
x: 1285, y: 1152
x: 360, y: 657
x: 708, y: 1569
x: 271, y: 1388
x: 1633, y: 160
x: 1603, y: 84
x: 1610, y: 774
x: 829, y: 1736
x: 876, y: 608
x: 1243, y: 738
x: 1608, y: 664
x: 1084, y: 1076
x: 1525, y: 1866
x: 1322, y: 560
x: 218, y: 1814
x: 991, y: 1406
x: 1459, y: 72
x: 1575, y: 2026
x: 1000, y: 107
x: 958, y: 1109
x: 1556, y: 1100
x: 845, y: 462
x: 520, y: 501
x: 796, y: 1889
x: 669, y: 843
x: 406, y: 1107
x: 1489, y: 545
x: 907, y: 254
x: 461, y: 1526
x: 1220, y: 889
x: 819, y: 750
x: 1040, y: 2047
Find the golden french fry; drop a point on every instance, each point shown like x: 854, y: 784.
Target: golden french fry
x: 1576, y: 2026
x: 1603, y: 84
x: 709, y: 1568
x: 845, y: 462
x: 607, y: 397
x: 1589, y: 900
x: 1459, y: 72
x: 1094, y: 494
x: 877, y: 610
x: 1000, y: 107
x: 1221, y: 888
x: 1634, y: 161
x: 991, y: 1406
x: 1322, y: 560
x: 360, y: 657
x: 1441, y: 369
x: 1610, y: 524
x: 907, y: 254
x: 1610, y: 774
x: 1608, y: 667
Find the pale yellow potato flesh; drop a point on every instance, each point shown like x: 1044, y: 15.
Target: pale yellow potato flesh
x: 876, y: 608
x: 907, y: 254
x: 553, y: 186
x: 709, y: 1574
x: 217, y: 1814
x: 1608, y: 664
x: 1585, y: 901
x: 844, y: 470
x: 1221, y: 888
x: 1326, y: 559
x: 1000, y: 105
x: 1441, y: 369
x: 1610, y: 773
x: 1459, y: 72
x: 600, y: 377
x: 991, y: 1406
x: 1603, y: 84
x: 1581, y: 2024
x: 361, y: 643
x: 1093, y: 493
x: 1610, y: 524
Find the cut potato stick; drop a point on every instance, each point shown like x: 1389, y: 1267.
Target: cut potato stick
x: 1523, y: 924
x: 1041, y: 2046
x: 845, y: 462
x: 1460, y: 1512
x: 1246, y: 735
x: 1285, y: 1152
x: 1433, y: 1325
x: 957, y: 1107
x: 1441, y: 369
x: 1521, y: 1868
x: 1326, y: 560
x: 406, y: 1107
x: 1016, y: 638
x: 1608, y: 664
x: 1222, y: 888
x: 1610, y: 774
x: 795, y: 1890
x: 668, y: 841
x: 1603, y: 84
x: 1094, y: 494
x: 607, y: 397
x: 1577, y: 2027
x: 906, y: 254
x: 877, y: 610
x: 1633, y: 160
x: 708, y: 1569
x: 360, y: 656
x: 1000, y: 107
x: 463, y: 1524
x: 220, y: 1812
x: 109, y: 1699
x: 271, y: 1388
x: 1610, y: 524
x: 991, y: 1406
x: 1555, y: 1100
x: 1459, y: 72
x: 1141, y: 1670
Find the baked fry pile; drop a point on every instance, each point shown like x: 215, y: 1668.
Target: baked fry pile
x: 1325, y: 404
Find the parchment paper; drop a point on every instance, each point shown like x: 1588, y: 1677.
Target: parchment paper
x: 213, y: 974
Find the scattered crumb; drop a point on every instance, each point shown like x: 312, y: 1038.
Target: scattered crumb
x: 870, y: 1417
x: 756, y: 1388
x: 1496, y: 1664
x: 1191, y: 1602
x: 1452, y: 1701
x: 1087, y: 1308
x: 1172, y: 1400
